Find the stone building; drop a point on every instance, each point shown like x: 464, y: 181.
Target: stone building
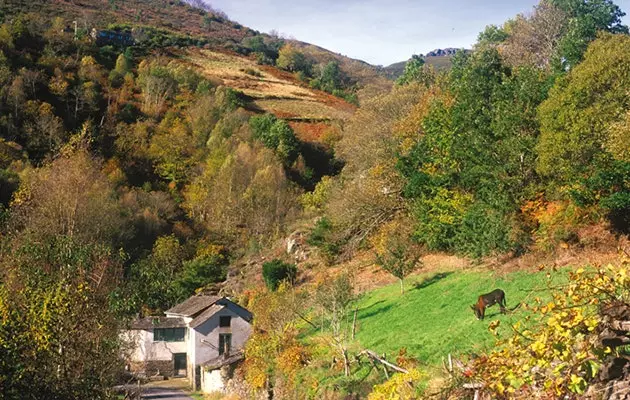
x: 203, y: 330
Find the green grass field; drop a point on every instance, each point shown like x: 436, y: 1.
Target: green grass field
x: 433, y: 318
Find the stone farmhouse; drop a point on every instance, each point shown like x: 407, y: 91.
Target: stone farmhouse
x: 198, y: 338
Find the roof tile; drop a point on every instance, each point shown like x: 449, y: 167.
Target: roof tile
x: 193, y: 305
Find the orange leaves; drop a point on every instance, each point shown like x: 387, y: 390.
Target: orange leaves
x: 408, y: 128
x: 291, y: 359
x: 273, y: 351
x: 554, y: 223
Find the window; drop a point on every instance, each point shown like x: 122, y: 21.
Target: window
x: 225, y: 343
x: 224, y: 322
x: 169, y: 334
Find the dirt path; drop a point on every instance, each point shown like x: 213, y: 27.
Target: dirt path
x: 164, y: 393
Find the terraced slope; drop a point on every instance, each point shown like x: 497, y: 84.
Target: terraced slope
x: 271, y: 90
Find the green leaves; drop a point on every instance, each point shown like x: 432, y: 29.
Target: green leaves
x: 275, y: 272
x: 277, y: 135
x: 59, y: 333
x: 415, y: 71
x: 586, y: 18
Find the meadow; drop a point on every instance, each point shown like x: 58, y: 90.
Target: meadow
x: 433, y: 317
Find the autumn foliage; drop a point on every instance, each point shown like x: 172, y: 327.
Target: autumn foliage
x: 557, y: 350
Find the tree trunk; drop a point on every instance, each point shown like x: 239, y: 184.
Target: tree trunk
x: 402, y: 286
x: 354, y: 323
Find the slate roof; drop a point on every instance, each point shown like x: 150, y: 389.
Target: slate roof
x: 222, y: 361
x: 158, y: 322
x: 205, y: 315
x: 193, y: 305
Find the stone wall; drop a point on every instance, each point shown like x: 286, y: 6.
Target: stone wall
x: 153, y: 368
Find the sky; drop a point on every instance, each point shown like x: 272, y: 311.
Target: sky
x: 380, y: 32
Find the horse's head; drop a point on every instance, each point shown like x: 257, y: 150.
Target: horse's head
x: 476, y: 310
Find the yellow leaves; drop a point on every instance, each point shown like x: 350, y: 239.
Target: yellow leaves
x: 388, y: 232
x: 291, y: 359
x: 621, y: 276
x: 547, y: 308
x: 400, y: 387
x: 273, y: 347
x: 591, y: 324
x: 539, y: 347
x: 500, y: 388
x: 562, y: 353
x: 494, y: 325
x: 577, y: 384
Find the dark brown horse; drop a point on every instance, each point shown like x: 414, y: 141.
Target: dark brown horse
x: 497, y: 296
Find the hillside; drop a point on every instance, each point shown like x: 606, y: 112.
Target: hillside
x: 364, y: 73
x: 388, y: 321
x: 270, y: 89
x: 171, y: 15
x: 151, y: 151
x: 226, y: 59
x: 180, y: 18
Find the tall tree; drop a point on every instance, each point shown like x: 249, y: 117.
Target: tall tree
x: 58, y: 330
x: 71, y: 197
x: 585, y: 19
x: 582, y: 130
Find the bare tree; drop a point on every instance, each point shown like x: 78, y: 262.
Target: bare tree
x: 533, y: 40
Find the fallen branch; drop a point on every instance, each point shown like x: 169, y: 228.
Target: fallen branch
x: 372, y: 355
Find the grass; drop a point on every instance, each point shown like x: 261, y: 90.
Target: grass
x: 273, y: 91
x: 433, y: 318
x: 303, y: 108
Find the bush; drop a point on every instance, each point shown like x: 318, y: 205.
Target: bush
x: 322, y: 236
x: 276, y: 134
x: 253, y: 72
x: 439, y: 217
x: 203, y: 270
x: 484, y: 231
x: 276, y: 271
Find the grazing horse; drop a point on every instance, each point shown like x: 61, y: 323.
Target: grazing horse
x: 497, y: 296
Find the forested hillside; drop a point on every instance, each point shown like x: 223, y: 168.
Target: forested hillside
x: 515, y: 157
x: 134, y: 168
x: 150, y: 150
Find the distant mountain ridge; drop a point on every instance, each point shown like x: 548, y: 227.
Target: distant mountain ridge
x: 449, y: 51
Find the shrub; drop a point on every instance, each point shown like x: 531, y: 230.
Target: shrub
x: 203, y: 270
x: 316, y: 200
x: 276, y: 271
x: 253, y: 72
x: 276, y: 134
x: 439, y: 217
x: 400, y: 386
x: 322, y: 237
x: 554, y: 222
x: 484, y: 231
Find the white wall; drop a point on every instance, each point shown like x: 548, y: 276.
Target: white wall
x: 209, y: 332
x: 211, y: 381
x: 146, y: 349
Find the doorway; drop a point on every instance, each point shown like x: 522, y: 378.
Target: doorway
x: 179, y: 359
